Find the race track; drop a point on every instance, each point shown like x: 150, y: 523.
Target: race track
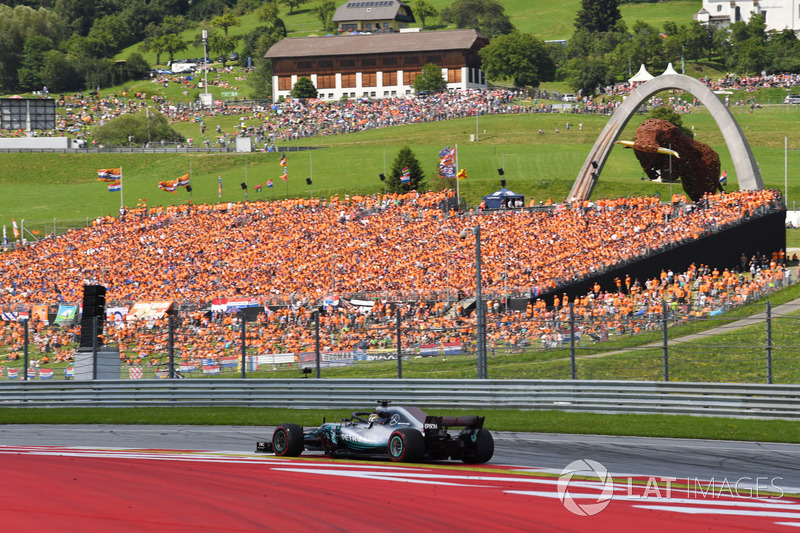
x: 207, y: 478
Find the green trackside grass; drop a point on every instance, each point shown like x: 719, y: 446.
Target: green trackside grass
x: 41, y: 187
x: 681, y: 426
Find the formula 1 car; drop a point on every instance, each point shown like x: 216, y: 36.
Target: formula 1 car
x: 405, y: 434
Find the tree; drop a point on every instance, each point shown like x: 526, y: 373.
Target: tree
x: 59, y: 73
x: 293, y: 4
x: 586, y: 74
x: 222, y: 45
x: 304, y: 88
x: 225, y: 21
x: 430, y: 80
x: 140, y: 126
x: 33, y: 53
x: 136, y: 68
x: 173, y: 44
x: 424, y: 10
x: 597, y: 15
x: 405, y: 158
x: 267, y: 12
x: 486, y: 16
x: 520, y: 57
x: 325, y: 12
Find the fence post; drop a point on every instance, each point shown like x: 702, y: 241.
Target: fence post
x: 316, y: 341
x: 572, y: 369
x: 244, y: 345
x: 171, y: 345
x: 665, y: 339
x: 25, y: 352
x: 769, y: 342
x: 399, y: 346
x: 94, y: 346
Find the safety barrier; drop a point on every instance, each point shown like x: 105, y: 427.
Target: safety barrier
x: 644, y: 397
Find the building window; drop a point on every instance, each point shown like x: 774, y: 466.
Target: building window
x: 372, y: 94
x: 389, y: 78
x: 385, y: 94
x: 437, y: 59
x: 330, y: 95
x: 369, y: 79
x: 347, y: 62
x: 284, y: 83
x: 389, y: 61
x: 325, y: 63
x: 352, y: 95
x: 411, y: 60
x: 349, y: 27
x: 454, y: 75
x: 304, y: 65
x: 719, y: 8
x: 409, y: 76
x: 369, y: 62
x: 326, y: 81
x: 369, y: 26
x: 385, y: 25
x: 349, y: 80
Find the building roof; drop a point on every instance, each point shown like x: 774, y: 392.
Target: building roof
x: 374, y: 10
x: 378, y: 43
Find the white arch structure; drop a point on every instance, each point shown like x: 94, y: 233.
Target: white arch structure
x: 744, y: 163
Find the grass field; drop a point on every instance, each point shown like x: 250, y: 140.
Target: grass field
x: 42, y: 187
x: 545, y: 19
x: 496, y: 420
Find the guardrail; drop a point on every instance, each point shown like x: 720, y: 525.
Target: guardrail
x: 739, y: 400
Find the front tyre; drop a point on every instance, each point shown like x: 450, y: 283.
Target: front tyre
x: 288, y: 440
x: 406, y: 445
x: 481, y: 450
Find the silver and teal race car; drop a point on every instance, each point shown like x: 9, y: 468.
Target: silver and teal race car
x: 404, y: 434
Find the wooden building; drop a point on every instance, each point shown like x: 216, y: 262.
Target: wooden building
x: 381, y: 65
x: 373, y: 15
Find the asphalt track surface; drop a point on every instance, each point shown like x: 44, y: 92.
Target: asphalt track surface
x: 640, y: 456
x: 198, y: 478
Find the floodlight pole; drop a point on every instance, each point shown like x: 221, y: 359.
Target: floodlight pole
x: 205, y: 59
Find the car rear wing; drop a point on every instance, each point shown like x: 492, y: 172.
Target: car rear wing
x: 435, y: 423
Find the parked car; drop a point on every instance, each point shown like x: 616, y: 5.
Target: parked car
x: 234, y: 56
x: 569, y: 98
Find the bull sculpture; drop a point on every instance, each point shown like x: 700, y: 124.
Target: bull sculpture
x: 693, y: 162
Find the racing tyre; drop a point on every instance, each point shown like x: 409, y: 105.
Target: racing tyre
x: 481, y: 450
x: 288, y: 440
x: 406, y: 445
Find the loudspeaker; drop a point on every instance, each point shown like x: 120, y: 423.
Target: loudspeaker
x: 308, y: 180
x: 382, y: 176
x: 189, y: 188
x: 94, y: 308
x: 501, y: 171
x: 502, y: 183
x: 244, y: 185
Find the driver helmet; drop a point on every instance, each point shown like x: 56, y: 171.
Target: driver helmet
x: 374, y: 418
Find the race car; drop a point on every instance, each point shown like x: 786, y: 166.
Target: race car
x: 404, y: 434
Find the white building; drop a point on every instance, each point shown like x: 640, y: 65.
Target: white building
x: 778, y: 14
x: 380, y: 65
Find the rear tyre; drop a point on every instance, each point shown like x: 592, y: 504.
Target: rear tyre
x: 288, y: 440
x: 406, y: 446
x: 481, y: 450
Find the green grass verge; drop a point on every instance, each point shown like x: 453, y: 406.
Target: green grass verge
x: 689, y: 427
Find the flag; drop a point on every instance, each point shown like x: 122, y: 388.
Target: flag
x: 269, y: 183
x: 5, y: 237
x: 46, y: 373
x: 109, y: 174
x: 283, y: 160
x: 447, y: 158
x: 211, y: 369
x: 183, y: 181
x: 258, y: 187
x: 462, y: 174
x: 285, y: 176
x: 219, y: 186
x: 168, y: 186
x: 405, y: 177
x: 115, y: 186
x: 13, y: 373
x: 14, y: 228
x: 723, y: 180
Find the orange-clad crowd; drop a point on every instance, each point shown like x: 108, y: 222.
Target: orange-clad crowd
x: 405, y: 248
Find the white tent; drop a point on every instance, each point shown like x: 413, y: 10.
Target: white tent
x: 641, y: 76
x: 670, y: 70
